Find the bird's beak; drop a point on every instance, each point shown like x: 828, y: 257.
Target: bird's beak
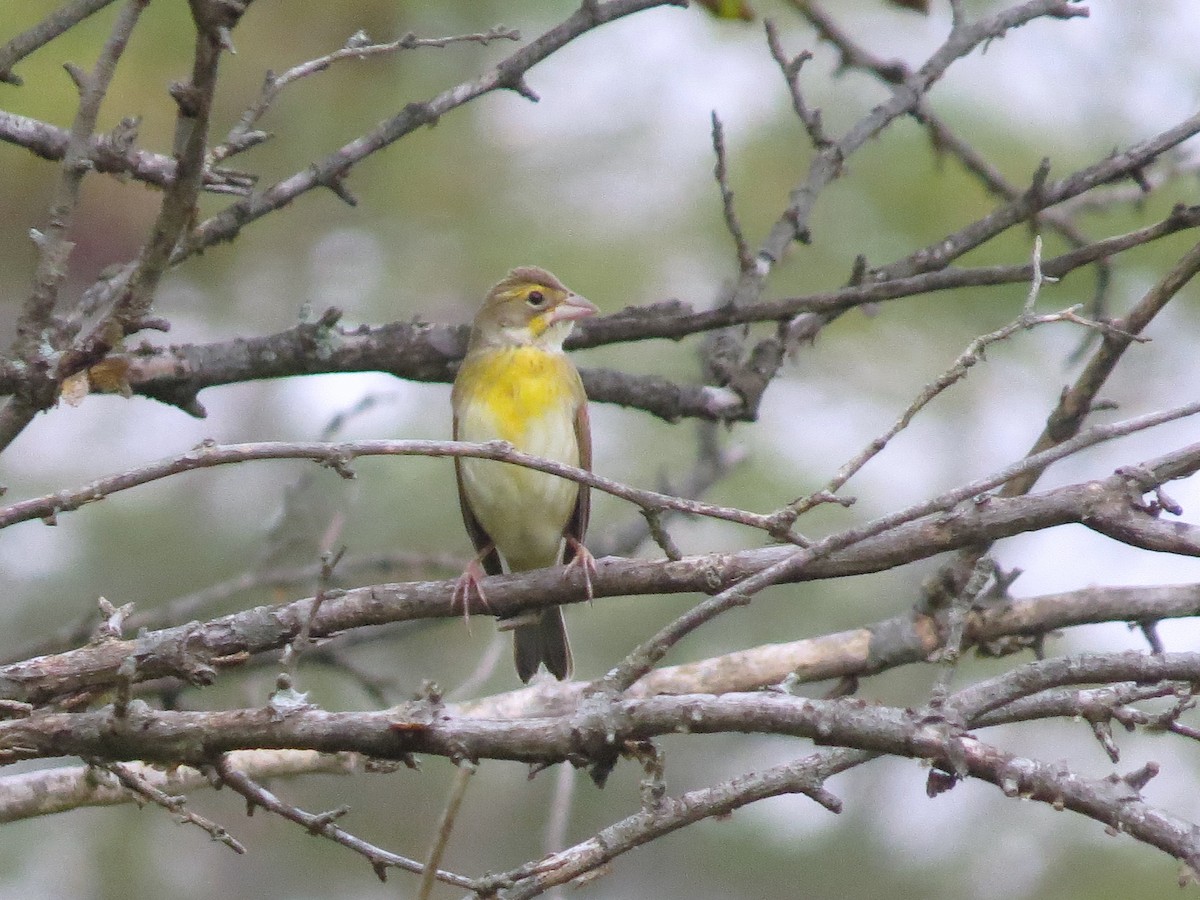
x: 574, y: 307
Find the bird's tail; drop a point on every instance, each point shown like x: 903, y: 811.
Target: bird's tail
x: 543, y: 642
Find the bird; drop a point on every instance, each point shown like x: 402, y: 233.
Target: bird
x: 516, y: 384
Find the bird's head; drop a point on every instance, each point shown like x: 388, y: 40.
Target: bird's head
x: 529, y: 307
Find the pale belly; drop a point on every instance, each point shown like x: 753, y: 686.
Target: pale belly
x: 523, y: 511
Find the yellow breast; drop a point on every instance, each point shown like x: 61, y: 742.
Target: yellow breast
x: 527, y: 396
x: 506, y: 392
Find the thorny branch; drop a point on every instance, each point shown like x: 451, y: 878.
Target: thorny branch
x: 38, y: 336
x: 58, y: 22
x: 593, y: 732
x: 192, y: 652
x: 423, y: 352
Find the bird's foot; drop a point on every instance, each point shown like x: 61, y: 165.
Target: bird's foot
x: 585, y: 561
x: 470, y: 580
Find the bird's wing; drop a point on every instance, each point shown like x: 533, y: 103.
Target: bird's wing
x: 578, y: 523
x: 480, y: 538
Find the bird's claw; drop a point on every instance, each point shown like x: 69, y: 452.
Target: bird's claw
x: 586, y: 562
x: 469, y: 580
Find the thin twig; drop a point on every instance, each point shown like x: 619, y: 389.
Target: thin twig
x: 508, y: 74
x: 244, y: 135
x: 1076, y: 402
x: 945, y: 140
x: 338, y: 456
x: 642, y: 658
x: 952, y: 648
x: 745, y: 259
x: 139, y: 787
x: 458, y: 789
x: 66, y: 788
x: 803, y: 776
x: 793, y: 223
x: 809, y: 118
x: 381, y: 567
x: 970, y: 357
x: 35, y: 331
x: 58, y: 22
x: 1039, y: 278
x: 322, y: 824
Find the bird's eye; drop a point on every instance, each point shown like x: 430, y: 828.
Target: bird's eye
x: 536, y: 299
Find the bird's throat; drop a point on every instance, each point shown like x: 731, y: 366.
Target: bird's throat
x: 508, y: 390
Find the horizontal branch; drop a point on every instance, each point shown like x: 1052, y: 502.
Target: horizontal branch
x: 45, y: 792
x: 339, y: 456
x: 193, y: 652
x: 113, y: 153
x: 430, y: 352
x: 859, y: 652
x: 913, y: 636
x: 597, y: 731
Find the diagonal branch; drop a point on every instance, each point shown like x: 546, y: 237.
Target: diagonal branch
x: 38, y: 338
x: 509, y: 74
x: 58, y: 22
x: 194, y: 652
x: 322, y: 824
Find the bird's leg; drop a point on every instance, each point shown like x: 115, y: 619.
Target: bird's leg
x: 470, y: 580
x: 587, y: 563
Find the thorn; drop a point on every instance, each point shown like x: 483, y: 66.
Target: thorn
x: 337, y: 184
x: 522, y: 88
x: 77, y: 75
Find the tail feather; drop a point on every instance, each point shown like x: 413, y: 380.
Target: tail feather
x: 543, y: 642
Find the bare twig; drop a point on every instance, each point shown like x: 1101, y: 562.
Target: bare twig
x: 303, y: 638
x: 132, y: 780
x: 58, y: 22
x: 809, y: 118
x: 792, y: 224
x: 458, y: 789
x: 945, y: 140
x: 338, y: 456
x: 244, y: 135
x: 803, y: 776
x: 1109, y: 507
x: 593, y: 730
x: 1076, y: 402
x: 745, y: 260
x: 322, y: 825
x: 176, y: 374
x: 36, y: 337
x: 970, y: 357
x: 62, y: 789
x: 382, y: 567
x: 645, y: 655
x: 115, y: 154
x: 509, y: 74
x: 956, y: 616
x: 1040, y: 195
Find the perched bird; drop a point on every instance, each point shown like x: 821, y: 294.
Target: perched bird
x: 516, y: 384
